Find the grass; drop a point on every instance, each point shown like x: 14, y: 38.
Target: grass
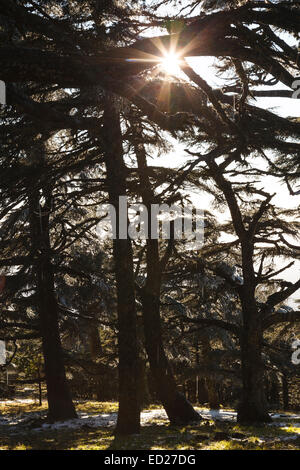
x: 158, y: 435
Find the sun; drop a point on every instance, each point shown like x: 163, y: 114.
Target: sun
x: 170, y: 63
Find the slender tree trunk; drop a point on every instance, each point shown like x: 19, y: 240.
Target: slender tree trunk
x: 94, y: 341
x: 210, y: 382
x: 144, y: 393
x: 178, y: 408
x: 201, y: 391
x: 274, y: 396
x: 129, y: 406
x: 40, y: 388
x: 95, y: 347
x: 60, y: 405
x: 285, y: 392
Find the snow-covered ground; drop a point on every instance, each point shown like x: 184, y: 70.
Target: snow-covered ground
x: 34, y: 420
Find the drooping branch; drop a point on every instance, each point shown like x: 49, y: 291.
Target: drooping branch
x: 211, y: 322
x: 281, y: 317
x: 210, y: 36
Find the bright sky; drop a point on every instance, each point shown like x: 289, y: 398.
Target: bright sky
x: 177, y: 157
x: 282, y: 106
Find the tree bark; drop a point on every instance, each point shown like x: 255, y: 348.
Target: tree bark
x: 253, y: 406
x: 129, y: 406
x: 60, y: 405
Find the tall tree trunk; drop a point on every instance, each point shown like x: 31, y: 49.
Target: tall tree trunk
x: 178, y: 408
x: 129, y: 406
x: 60, y: 405
x: 253, y: 406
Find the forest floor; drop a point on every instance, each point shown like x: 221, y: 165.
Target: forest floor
x: 23, y: 427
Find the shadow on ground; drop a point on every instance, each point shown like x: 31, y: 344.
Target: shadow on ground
x: 155, y: 435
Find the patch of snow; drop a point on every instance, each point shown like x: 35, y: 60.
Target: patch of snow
x: 84, y: 419
x: 221, y: 415
x: 284, y: 415
x: 17, y: 401
x: 238, y: 279
x: 2, y: 353
x: 31, y: 420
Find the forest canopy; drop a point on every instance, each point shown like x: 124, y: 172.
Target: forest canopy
x: 163, y: 104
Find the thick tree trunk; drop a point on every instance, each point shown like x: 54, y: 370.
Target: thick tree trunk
x: 129, y: 406
x: 58, y: 394
x: 253, y: 406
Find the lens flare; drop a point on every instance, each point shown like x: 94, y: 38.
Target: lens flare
x: 170, y: 63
